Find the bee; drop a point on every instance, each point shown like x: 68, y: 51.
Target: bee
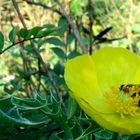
x: 131, y: 89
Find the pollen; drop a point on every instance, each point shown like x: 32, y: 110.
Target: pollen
x: 124, y: 103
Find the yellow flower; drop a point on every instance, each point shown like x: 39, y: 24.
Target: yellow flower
x: 107, y: 87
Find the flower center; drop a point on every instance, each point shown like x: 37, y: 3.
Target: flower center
x: 124, y: 98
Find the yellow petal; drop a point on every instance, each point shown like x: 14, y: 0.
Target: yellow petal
x: 80, y: 76
x: 115, y: 66
x: 113, y: 121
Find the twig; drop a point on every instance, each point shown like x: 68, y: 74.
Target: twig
x: 45, y: 68
x: 14, y: 44
x: 18, y: 12
x: 43, y: 5
x: 72, y: 25
x: 63, y: 13
x: 26, y: 69
x: 24, y: 59
x: 90, y: 26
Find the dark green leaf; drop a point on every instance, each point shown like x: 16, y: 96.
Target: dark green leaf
x: 73, y: 54
x: 9, y: 112
x: 104, y: 134
x: 44, y: 33
x: 24, y: 33
x: 102, y: 33
x: 59, y: 52
x: 62, y: 22
x: 54, y: 136
x: 49, y: 26
x: 7, y: 90
x: 72, y: 107
x: 58, y: 69
x: 63, y: 25
x: 13, y: 33
x: 1, y: 41
x: 55, y: 41
x: 34, y: 31
x: 70, y: 38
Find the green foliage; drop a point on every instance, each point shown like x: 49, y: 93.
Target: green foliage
x: 34, y: 98
x: 54, y: 41
x: 24, y: 33
x: 13, y: 33
x: 1, y: 41
x: 59, y: 52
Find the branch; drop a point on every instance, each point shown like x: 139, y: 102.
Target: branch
x: 36, y: 51
x: 72, y: 25
x: 19, y: 42
x: 43, y: 5
x: 23, y: 56
x: 90, y: 26
x: 63, y: 13
x: 18, y: 12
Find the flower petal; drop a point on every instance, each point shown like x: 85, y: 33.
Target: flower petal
x: 115, y: 66
x: 90, y: 77
x: 136, y: 79
x: 80, y: 75
x: 113, y: 121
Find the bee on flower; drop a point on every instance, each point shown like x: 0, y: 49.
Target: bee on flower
x: 106, y: 85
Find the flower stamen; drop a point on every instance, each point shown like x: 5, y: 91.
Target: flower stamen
x: 125, y: 102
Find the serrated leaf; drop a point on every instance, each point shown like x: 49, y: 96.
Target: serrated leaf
x: 59, y: 52
x: 104, y: 134
x: 13, y: 33
x: 9, y: 113
x: 55, y: 41
x: 1, y: 40
x: 31, y: 104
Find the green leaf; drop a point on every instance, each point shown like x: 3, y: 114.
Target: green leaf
x: 73, y: 54
x: 44, y: 33
x: 1, y: 41
x: 70, y: 38
x: 104, y: 134
x: 59, y: 52
x: 34, y: 31
x: 76, y: 129
x: 63, y: 25
x: 49, y: 26
x: 13, y: 33
x: 54, y: 136
x: 9, y: 111
x: 24, y: 33
x: 62, y: 22
x: 55, y: 41
x: 7, y: 90
x: 72, y: 107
